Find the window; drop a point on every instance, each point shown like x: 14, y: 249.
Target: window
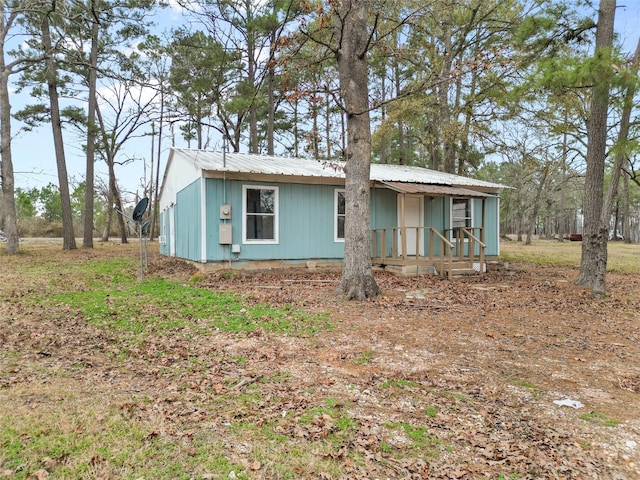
x: 339, y: 206
x: 460, y: 214
x: 260, y: 214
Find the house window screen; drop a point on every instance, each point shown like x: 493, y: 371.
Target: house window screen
x: 340, y: 209
x: 460, y: 214
x: 260, y: 214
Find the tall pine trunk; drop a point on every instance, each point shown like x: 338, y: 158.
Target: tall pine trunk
x: 357, y: 282
x: 68, y: 236
x: 593, y: 265
x: 87, y: 240
x: 6, y: 162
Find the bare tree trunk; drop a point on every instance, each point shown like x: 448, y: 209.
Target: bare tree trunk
x: 563, y: 179
x: 115, y: 195
x: 251, y: 77
x: 623, y: 136
x: 68, y: 236
x: 357, y: 282
x: 536, y: 204
x: 156, y: 185
x: 107, y: 222
x: 296, y: 132
x: 402, y: 154
x: 626, y: 219
x: 6, y: 162
x: 87, y: 239
x: 595, y: 236
x: 327, y: 125
x: 446, y: 128
x: 271, y: 85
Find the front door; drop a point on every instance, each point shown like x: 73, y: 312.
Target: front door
x: 413, y: 218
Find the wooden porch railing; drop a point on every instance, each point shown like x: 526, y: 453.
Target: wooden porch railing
x: 465, y: 237
x: 390, y: 247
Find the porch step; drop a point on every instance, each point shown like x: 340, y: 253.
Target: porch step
x: 459, y: 269
x: 458, y: 272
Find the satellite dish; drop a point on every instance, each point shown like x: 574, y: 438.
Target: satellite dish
x: 138, y: 212
x: 145, y: 228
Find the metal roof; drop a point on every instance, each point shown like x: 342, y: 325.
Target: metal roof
x: 299, y: 167
x: 435, y: 190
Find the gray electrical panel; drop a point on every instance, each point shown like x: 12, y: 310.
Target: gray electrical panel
x: 225, y: 234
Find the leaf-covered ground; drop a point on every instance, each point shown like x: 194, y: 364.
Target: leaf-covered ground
x: 437, y: 378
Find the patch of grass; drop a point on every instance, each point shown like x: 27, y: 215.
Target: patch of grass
x: 528, y: 385
x: 331, y: 407
x: 363, y: 358
x: 399, y: 383
x: 600, y: 419
x: 161, y: 306
x: 431, y: 411
x: 71, y: 440
x: 417, y: 439
x: 279, y: 377
x: 623, y: 258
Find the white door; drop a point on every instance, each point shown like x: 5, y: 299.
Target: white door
x: 413, y: 217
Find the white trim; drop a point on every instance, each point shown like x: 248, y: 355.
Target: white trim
x: 276, y: 227
x: 336, y: 192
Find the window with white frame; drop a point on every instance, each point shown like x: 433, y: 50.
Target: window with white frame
x: 460, y: 214
x: 260, y: 214
x: 340, y: 209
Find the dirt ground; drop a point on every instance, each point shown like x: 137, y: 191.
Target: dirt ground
x: 492, y: 353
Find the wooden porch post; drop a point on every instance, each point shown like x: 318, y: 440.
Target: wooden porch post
x: 484, y: 217
x: 403, y: 232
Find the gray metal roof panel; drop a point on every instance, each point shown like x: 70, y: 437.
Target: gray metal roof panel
x: 274, y: 165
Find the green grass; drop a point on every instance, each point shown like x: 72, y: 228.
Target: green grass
x: 123, y: 445
x: 535, y: 390
x: 600, y: 419
x: 418, y: 440
x: 363, y: 358
x: 398, y: 383
x: 164, y: 307
x: 622, y: 258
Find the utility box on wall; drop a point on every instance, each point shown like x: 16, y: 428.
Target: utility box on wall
x: 225, y: 237
x: 225, y: 212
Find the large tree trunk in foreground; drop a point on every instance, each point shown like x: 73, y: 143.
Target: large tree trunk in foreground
x: 595, y: 236
x: 358, y: 282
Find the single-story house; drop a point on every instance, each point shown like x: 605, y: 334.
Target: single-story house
x: 234, y: 209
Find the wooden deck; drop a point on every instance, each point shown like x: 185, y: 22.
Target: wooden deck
x: 460, y: 251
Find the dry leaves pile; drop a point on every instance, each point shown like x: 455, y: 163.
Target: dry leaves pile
x: 441, y: 379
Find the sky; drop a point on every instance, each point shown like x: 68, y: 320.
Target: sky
x: 34, y: 159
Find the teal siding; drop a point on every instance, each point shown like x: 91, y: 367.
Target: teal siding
x: 188, y: 225
x: 492, y: 233
x: 436, y: 213
x: 384, y: 214
x: 384, y: 210
x: 305, y: 222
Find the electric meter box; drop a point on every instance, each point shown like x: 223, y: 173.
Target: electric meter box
x: 225, y: 212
